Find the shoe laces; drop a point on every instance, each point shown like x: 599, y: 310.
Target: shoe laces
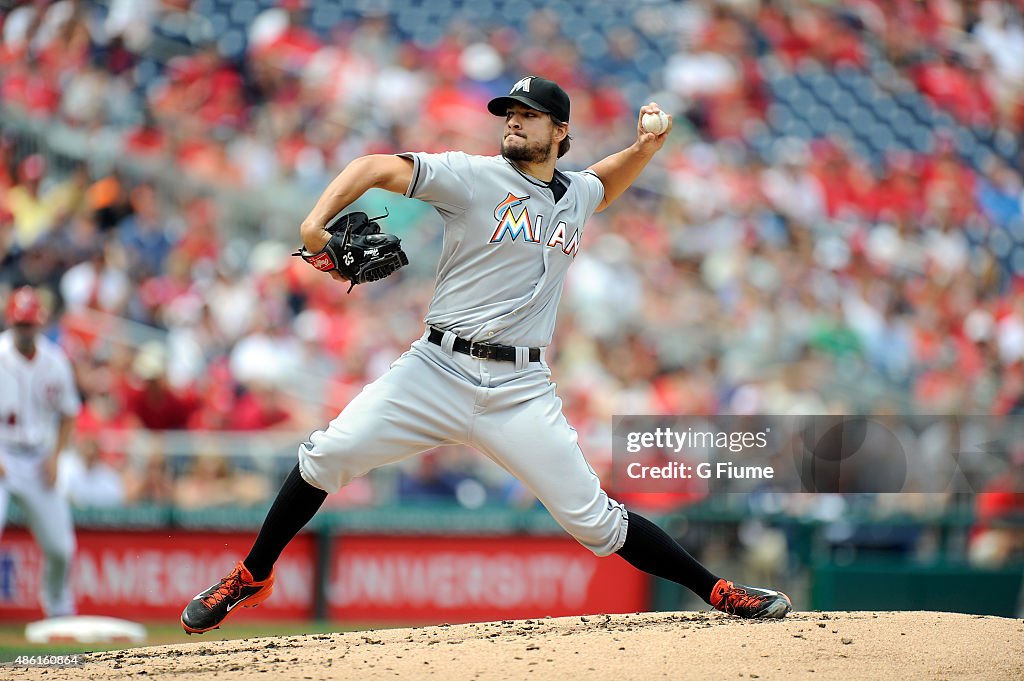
x: 230, y: 586
x: 735, y: 597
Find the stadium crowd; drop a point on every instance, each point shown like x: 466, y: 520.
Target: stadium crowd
x: 799, y: 278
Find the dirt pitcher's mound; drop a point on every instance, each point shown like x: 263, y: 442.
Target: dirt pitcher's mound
x: 854, y: 645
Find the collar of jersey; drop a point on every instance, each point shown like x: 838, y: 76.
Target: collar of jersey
x: 555, y: 179
x: 529, y: 178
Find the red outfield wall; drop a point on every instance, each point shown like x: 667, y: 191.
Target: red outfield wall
x: 149, y: 576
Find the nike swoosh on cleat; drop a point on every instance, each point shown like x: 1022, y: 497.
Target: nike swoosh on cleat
x: 238, y: 602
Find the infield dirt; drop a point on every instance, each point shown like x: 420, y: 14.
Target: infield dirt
x: 808, y: 645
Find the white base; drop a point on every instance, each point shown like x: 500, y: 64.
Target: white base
x: 84, y: 629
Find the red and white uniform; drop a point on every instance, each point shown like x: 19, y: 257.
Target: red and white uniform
x: 34, y: 394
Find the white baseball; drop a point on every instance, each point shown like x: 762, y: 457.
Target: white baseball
x: 655, y: 123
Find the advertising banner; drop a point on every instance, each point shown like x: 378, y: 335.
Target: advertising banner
x: 467, y: 579
x: 150, y: 576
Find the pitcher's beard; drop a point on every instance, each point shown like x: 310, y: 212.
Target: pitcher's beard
x: 531, y: 152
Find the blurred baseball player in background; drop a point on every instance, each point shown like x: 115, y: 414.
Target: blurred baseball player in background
x: 38, y: 406
x: 512, y: 227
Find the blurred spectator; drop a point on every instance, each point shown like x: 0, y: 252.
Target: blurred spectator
x: 107, y: 197
x: 791, y: 188
x: 131, y: 21
x: 281, y: 39
x: 1000, y: 34
x: 88, y: 480
x: 150, y: 483
x: 104, y: 418
x: 212, y: 481
x: 35, y: 209
x: 147, y: 137
x: 144, y: 234
x: 953, y: 82
x: 1000, y: 193
x: 428, y: 480
x: 263, y: 406
x: 149, y: 397
x: 99, y: 283
x: 268, y: 354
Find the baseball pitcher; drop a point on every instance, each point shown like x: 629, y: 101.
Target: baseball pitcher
x: 513, y: 224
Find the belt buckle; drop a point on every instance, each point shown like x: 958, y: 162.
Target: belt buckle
x: 479, y: 351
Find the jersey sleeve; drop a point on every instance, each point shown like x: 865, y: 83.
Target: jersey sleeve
x: 68, y: 403
x: 592, y: 191
x: 441, y: 180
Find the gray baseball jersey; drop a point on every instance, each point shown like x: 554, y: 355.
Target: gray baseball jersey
x: 507, y: 244
x: 508, y: 241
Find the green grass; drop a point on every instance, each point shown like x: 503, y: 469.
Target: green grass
x: 13, y: 643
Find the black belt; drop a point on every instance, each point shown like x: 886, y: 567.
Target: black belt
x: 503, y: 353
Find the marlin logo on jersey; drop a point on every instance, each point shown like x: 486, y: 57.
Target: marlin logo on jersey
x: 531, y: 228
x: 514, y: 225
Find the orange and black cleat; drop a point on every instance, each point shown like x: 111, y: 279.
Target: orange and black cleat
x: 749, y: 602
x: 207, y: 610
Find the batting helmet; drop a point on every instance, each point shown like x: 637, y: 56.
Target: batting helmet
x: 24, y: 307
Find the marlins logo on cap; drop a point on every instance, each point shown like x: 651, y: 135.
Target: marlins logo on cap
x: 537, y: 93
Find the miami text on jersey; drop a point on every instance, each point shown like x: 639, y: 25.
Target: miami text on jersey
x: 531, y: 229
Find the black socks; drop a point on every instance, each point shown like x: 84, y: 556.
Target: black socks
x: 295, y: 505
x: 650, y: 549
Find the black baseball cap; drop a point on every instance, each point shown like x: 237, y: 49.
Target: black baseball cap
x: 537, y: 93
